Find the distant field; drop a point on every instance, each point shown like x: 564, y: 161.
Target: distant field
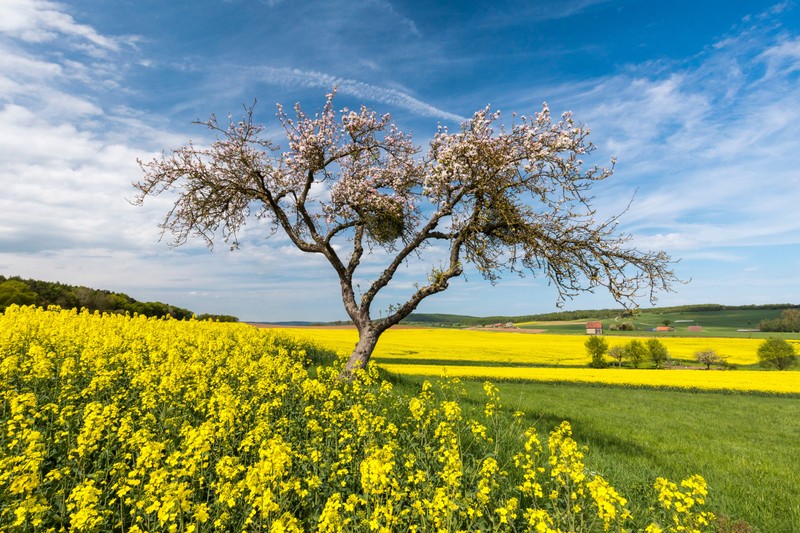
x: 548, y: 357
x: 725, y: 323
x: 739, y: 380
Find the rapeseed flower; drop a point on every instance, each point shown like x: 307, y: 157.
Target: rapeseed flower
x: 112, y: 422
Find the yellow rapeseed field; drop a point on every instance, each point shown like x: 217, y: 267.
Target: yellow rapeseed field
x: 406, y: 350
x: 512, y: 347
x: 738, y: 380
x: 117, y: 423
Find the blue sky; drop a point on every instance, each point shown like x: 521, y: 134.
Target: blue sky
x: 699, y: 102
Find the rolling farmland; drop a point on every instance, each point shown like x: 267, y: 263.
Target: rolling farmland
x: 543, y: 357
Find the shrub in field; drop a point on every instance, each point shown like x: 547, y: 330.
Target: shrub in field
x: 114, y: 423
x: 635, y: 352
x: 776, y: 353
x: 597, y: 347
x: 789, y: 321
x: 657, y: 352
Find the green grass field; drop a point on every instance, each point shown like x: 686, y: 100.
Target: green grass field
x: 725, y: 323
x: 744, y: 445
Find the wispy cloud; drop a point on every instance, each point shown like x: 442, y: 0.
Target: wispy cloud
x: 711, y: 145
x: 563, y: 9
x: 782, y: 59
x: 291, y: 77
x: 387, y: 6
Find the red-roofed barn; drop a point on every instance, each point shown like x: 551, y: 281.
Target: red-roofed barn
x: 594, y: 328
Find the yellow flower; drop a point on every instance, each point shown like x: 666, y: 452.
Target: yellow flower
x: 286, y: 524
x: 82, y: 506
x: 487, y: 481
x: 610, y: 505
x: 452, y: 411
x: 330, y: 520
x: 417, y: 408
x: 376, y: 470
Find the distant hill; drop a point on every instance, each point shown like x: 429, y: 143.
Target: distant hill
x: 466, y: 320
x: 16, y: 290
x: 706, y: 310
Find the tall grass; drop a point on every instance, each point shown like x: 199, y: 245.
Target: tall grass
x: 744, y: 445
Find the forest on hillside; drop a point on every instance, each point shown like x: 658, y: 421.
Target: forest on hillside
x: 788, y: 322
x: 16, y: 290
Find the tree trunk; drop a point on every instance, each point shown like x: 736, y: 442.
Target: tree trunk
x: 367, y: 340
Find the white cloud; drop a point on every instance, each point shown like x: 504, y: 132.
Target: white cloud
x: 38, y: 21
x: 782, y: 59
x: 67, y: 163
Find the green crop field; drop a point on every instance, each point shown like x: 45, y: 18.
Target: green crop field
x: 719, y: 323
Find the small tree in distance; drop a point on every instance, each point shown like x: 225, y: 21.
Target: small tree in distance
x: 349, y: 182
x: 617, y: 353
x: 635, y: 352
x: 657, y: 352
x: 597, y: 347
x: 776, y: 353
x: 709, y: 357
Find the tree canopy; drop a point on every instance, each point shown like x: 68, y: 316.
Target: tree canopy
x: 513, y: 198
x: 777, y: 353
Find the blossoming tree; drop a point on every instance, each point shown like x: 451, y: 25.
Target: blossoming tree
x: 514, y: 199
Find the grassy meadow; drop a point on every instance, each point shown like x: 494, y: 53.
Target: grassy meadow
x: 744, y: 445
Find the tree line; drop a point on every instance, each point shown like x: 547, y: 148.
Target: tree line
x: 788, y: 322
x: 16, y: 290
x: 772, y: 353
